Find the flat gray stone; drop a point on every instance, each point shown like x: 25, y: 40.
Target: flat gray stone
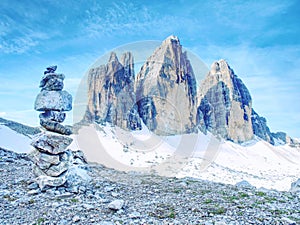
x: 53, y: 100
x: 44, y: 181
x: 44, y: 160
x: 55, y: 127
x: 116, y: 204
x: 51, y: 143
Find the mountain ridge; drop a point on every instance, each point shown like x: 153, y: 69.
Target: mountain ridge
x: 164, y: 96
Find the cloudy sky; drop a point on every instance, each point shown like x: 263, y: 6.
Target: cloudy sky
x: 259, y: 39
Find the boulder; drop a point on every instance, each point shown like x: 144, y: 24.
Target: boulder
x: 116, y: 204
x: 53, y: 101
x: 244, y: 184
x: 77, y: 176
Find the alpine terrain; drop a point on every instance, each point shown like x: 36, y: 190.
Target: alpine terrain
x: 155, y: 146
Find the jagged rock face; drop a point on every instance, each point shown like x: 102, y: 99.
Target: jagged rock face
x: 283, y: 138
x: 111, y: 96
x: 225, y: 104
x: 166, y: 90
x: 260, y: 128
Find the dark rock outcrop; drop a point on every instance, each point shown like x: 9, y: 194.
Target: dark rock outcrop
x: 260, y: 128
x: 20, y: 128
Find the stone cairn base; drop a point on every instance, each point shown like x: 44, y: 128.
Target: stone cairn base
x: 54, y: 164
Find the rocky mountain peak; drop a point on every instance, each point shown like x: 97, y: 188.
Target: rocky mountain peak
x: 111, y: 96
x: 172, y: 41
x: 225, y: 104
x: 171, y: 38
x: 164, y: 96
x: 221, y: 67
x: 167, y: 83
x: 113, y: 57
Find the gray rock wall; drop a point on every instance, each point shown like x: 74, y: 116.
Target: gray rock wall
x: 111, y: 96
x: 166, y: 90
x: 225, y: 104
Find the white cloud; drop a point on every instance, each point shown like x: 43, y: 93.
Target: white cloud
x: 131, y: 19
x: 17, y: 45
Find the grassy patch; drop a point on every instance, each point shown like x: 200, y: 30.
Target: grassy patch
x: 243, y: 195
x: 261, y: 194
x: 172, y: 214
x: 207, y: 201
x: 74, y: 200
x: 163, y: 211
x: 177, y: 191
x: 39, y: 221
x: 271, y: 199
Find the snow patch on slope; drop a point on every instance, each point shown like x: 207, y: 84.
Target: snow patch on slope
x: 261, y: 164
x: 191, y: 155
x: 11, y: 140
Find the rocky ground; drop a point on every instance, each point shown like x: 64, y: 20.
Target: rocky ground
x: 114, y: 197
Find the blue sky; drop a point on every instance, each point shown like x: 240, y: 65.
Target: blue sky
x: 259, y: 39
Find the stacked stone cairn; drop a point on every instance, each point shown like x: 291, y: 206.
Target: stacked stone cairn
x: 54, y: 164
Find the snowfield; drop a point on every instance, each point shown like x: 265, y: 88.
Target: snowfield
x: 190, y: 155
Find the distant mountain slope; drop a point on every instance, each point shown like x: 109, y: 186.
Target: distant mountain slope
x: 20, y: 128
x: 15, y: 136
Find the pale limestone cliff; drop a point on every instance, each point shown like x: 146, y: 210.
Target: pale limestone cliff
x: 166, y: 90
x: 225, y: 104
x: 111, y: 96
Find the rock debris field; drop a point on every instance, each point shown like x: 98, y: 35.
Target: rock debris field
x: 113, y: 197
